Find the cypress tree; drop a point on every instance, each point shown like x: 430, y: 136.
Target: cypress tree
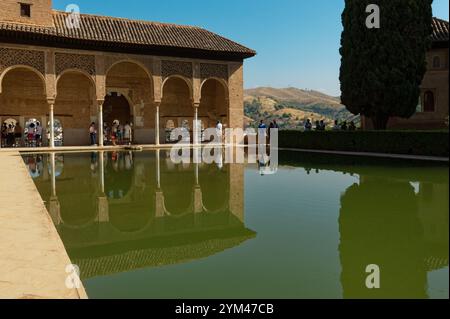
x: 382, y: 68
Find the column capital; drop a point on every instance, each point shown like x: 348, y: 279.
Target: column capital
x: 51, y: 100
x: 195, y: 105
x: 157, y: 103
x: 100, y: 102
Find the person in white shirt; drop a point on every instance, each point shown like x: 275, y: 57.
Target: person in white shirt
x: 219, y: 132
x: 127, y: 133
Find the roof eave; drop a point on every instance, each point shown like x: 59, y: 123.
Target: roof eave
x: 50, y: 40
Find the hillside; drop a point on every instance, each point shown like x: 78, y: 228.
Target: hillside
x: 292, y: 106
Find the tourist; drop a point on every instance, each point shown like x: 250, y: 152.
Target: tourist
x: 38, y: 134
x: 344, y: 126
x: 308, y: 125
x: 127, y: 133
x: 270, y: 128
x: 352, y: 126
x: 4, y: 134
x: 336, y: 126
x: 322, y: 125
x: 10, y: 135
x: 93, y: 134
x: 120, y: 133
x: 275, y: 124
x: 18, y: 134
x: 106, y: 132
x: 317, y: 123
x: 219, y: 131
x: 30, y: 134
x: 114, y: 134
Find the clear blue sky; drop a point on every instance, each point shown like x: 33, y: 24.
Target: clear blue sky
x: 297, y: 40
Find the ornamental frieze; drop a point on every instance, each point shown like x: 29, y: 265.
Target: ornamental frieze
x: 169, y: 68
x: 32, y: 58
x: 66, y: 61
x: 212, y: 70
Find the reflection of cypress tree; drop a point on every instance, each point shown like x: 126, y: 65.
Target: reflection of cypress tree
x: 379, y: 225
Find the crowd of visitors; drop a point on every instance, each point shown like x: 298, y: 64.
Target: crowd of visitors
x: 116, y: 134
x: 12, y: 134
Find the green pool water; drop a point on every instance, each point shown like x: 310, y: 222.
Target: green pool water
x: 139, y: 226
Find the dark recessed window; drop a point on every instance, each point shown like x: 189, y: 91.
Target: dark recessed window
x: 25, y: 10
x: 436, y: 62
x: 428, y: 103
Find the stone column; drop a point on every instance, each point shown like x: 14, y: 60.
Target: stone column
x: 51, y: 103
x: 100, y: 122
x: 157, y: 126
x: 195, y: 127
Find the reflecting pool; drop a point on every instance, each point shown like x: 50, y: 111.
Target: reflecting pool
x: 140, y: 226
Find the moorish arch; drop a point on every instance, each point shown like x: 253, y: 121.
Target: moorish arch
x: 177, y: 184
x: 23, y: 95
x: 129, y: 88
x: 215, y: 184
x: 75, y: 105
x: 176, y: 105
x: 214, y: 102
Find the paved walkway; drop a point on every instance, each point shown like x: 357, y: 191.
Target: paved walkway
x: 32, y: 256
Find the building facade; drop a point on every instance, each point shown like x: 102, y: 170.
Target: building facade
x: 433, y: 105
x: 67, y: 70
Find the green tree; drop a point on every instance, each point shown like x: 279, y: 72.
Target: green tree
x: 382, y: 68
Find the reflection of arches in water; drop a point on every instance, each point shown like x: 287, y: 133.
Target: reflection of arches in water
x: 379, y: 225
x: 59, y: 132
x: 214, y: 183
x: 177, y: 189
x: 133, y: 216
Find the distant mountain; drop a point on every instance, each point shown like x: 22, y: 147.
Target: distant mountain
x: 292, y: 106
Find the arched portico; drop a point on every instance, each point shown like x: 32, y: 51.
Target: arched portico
x: 130, y: 82
x: 214, y: 103
x: 176, y: 105
x: 23, y: 96
x: 75, y: 105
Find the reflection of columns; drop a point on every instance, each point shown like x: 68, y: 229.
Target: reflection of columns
x: 157, y: 104
x: 102, y: 171
x: 158, y: 170
x: 100, y: 122
x: 195, y: 126
x: 51, y: 104
x: 53, y: 169
x: 198, y: 199
x: 54, y: 206
x: 236, y: 200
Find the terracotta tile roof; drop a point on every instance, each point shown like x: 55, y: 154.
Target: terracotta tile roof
x: 440, y: 30
x: 133, y: 32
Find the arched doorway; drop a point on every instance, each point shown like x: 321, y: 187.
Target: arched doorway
x: 176, y: 106
x: 116, y: 108
x: 214, y: 103
x: 74, y: 107
x: 130, y: 99
x: 22, y: 97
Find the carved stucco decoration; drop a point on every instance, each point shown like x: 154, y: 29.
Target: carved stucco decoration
x: 169, y: 68
x: 65, y: 61
x: 32, y: 58
x: 212, y: 70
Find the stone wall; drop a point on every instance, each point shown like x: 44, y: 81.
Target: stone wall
x: 41, y: 12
